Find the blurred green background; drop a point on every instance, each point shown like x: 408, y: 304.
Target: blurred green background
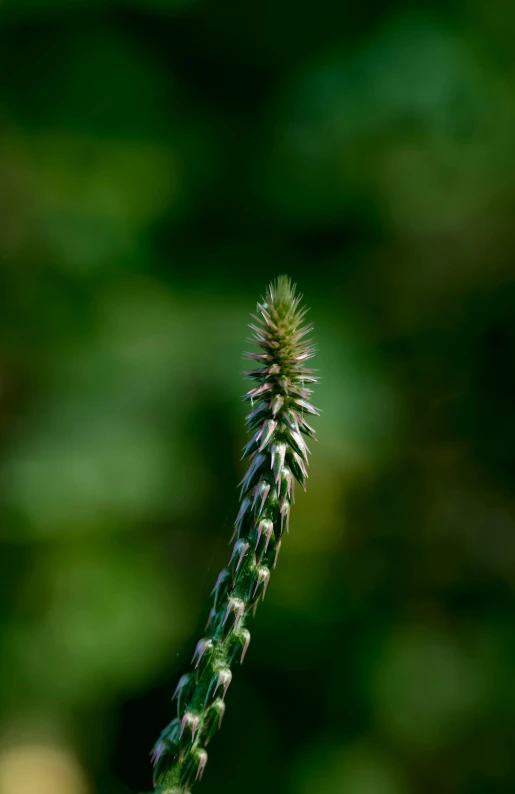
x: 160, y: 162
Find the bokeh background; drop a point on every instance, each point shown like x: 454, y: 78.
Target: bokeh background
x: 160, y: 162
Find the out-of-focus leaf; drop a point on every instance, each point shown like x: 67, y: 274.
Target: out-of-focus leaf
x: 426, y: 688
x: 103, y: 617
x: 354, y: 770
x: 410, y: 121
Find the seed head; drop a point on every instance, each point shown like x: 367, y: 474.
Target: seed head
x: 280, y: 401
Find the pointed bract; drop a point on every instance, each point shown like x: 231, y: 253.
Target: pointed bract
x: 189, y: 725
x: 222, y: 586
x: 276, y: 403
x: 278, y: 453
x: 240, y: 518
x: 203, y: 646
x: 253, y: 473
x: 212, y: 720
x: 241, y: 548
x: 268, y: 431
x: 234, y: 610
x: 265, y: 530
x: 261, y: 492
x: 259, y: 583
x: 184, y: 692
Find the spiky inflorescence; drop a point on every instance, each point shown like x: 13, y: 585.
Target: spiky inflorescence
x: 279, y: 455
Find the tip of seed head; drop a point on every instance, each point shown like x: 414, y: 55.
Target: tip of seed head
x: 281, y: 294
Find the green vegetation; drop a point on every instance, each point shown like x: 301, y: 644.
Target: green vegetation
x: 161, y: 161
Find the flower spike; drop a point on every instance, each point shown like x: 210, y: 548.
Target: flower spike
x: 280, y: 401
